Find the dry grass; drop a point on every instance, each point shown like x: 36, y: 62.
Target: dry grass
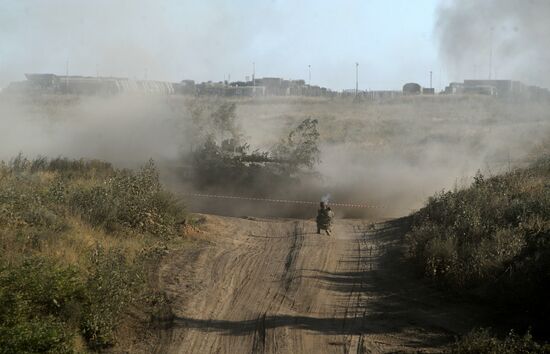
x: 491, y: 240
x: 85, y: 237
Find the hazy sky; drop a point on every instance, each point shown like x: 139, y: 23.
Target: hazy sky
x: 205, y: 40
x: 503, y: 39
x: 394, y: 41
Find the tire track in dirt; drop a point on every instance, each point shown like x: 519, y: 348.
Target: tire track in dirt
x: 275, y: 286
x: 259, y: 342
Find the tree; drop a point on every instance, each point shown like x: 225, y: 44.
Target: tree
x: 300, y: 148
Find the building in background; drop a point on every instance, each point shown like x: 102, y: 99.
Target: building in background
x: 258, y: 87
x: 412, y: 88
x: 88, y: 85
x: 509, y: 89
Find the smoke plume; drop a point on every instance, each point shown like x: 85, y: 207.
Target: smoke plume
x: 503, y: 39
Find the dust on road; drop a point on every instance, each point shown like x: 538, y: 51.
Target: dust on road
x: 275, y: 286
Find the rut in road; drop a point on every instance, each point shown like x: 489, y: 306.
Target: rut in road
x: 275, y: 286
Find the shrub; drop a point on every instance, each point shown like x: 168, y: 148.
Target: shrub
x: 481, y: 341
x: 42, y: 303
x: 491, y: 239
x: 132, y: 200
x: 112, y: 285
x: 35, y: 335
x: 45, y: 304
x: 38, y: 302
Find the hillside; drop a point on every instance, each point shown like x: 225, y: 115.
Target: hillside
x: 490, y: 242
x: 79, y: 242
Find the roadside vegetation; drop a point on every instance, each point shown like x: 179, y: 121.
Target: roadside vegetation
x: 482, y: 341
x: 79, y: 240
x: 491, y: 241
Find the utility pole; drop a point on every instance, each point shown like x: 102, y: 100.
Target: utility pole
x: 309, y: 78
x: 67, y: 76
x: 431, y: 76
x: 491, y: 54
x: 254, y: 74
x: 356, y: 79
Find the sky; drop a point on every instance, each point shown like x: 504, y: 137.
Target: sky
x: 211, y: 40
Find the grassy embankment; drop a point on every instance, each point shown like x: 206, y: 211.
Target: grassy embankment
x: 492, y: 241
x: 79, y: 240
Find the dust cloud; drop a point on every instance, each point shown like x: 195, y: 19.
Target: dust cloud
x: 125, y: 130
x: 390, y: 155
x: 394, y: 155
x: 505, y: 39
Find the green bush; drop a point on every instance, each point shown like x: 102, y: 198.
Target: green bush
x: 45, y: 305
x: 35, y: 335
x: 481, y: 341
x: 39, y: 300
x: 132, y: 200
x: 119, y: 199
x: 95, y: 205
x: 112, y: 285
x: 491, y: 239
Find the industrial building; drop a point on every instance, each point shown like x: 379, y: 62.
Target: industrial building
x: 257, y: 87
x: 497, y: 88
x: 412, y: 88
x: 87, y: 85
x: 274, y: 86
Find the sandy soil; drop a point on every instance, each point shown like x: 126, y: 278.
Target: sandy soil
x: 275, y: 286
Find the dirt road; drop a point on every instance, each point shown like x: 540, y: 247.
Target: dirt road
x: 267, y: 286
